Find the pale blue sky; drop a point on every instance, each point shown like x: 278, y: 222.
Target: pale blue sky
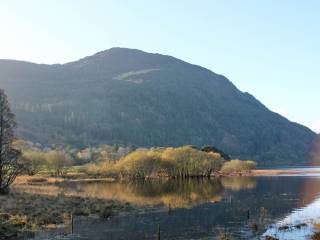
x: 268, y: 48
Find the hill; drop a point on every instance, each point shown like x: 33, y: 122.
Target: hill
x: 130, y: 97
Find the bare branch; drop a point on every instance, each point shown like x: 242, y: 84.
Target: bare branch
x: 10, y: 165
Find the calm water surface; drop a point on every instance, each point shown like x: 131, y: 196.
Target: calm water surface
x: 238, y: 207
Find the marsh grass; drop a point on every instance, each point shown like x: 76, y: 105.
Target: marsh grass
x: 35, y: 203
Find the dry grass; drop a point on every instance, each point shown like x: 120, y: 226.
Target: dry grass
x: 316, y: 236
x: 39, y: 201
x: 36, y: 202
x: 20, y: 180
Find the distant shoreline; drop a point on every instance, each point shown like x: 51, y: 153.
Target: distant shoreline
x: 281, y: 172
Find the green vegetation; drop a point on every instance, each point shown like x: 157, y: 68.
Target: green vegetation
x: 216, y: 150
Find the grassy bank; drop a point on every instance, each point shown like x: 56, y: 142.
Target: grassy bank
x: 35, y: 203
x: 39, y: 202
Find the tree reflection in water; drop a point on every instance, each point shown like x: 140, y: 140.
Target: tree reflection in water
x: 243, y: 207
x: 169, y: 192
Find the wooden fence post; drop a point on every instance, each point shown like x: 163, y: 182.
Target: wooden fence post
x: 71, y: 223
x: 159, y: 235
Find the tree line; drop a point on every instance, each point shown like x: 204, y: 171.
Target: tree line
x: 179, y: 162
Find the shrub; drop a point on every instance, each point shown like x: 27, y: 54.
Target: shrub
x: 234, y: 166
x: 188, y: 161
x: 106, y: 168
x: 57, y: 161
x: 33, y: 161
x: 170, y: 162
x: 215, y: 150
x: 143, y: 164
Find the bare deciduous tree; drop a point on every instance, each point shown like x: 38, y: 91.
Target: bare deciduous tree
x: 10, y: 165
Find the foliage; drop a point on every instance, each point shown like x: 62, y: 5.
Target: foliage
x: 170, y: 162
x: 180, y: 162
x: 216, y: 150
x: 33, y: 161
x: 102, y: 168
x: 10, y: 165
x: 143, y: 164
x: 188, y: 161
x: 58, y: 161
x: 234, y: 166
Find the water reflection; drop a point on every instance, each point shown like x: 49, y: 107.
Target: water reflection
x: 299, y: 225
x: 304, y: 220
x: 238, y: 183
x: 240, y: 207
x: 171, y: 193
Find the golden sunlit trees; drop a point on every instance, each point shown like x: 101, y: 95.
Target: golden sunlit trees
x: 190, y: 162
x: 235, y: 166
x: 172, y: 162
x: 143, y: 164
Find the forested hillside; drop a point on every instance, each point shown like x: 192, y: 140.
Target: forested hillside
x: 129, y: 97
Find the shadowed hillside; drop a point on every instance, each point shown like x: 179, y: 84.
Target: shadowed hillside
x: 126, y: 96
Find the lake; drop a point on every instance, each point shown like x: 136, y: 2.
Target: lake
x: 286, y: 207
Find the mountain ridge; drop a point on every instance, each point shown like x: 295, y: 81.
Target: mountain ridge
x: 127, y: 96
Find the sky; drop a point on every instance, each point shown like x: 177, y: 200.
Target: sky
x: 270, y: 49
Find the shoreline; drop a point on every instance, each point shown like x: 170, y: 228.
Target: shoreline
x: 280, y: 172
x: 42, y: 191
x: 38, y: 179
